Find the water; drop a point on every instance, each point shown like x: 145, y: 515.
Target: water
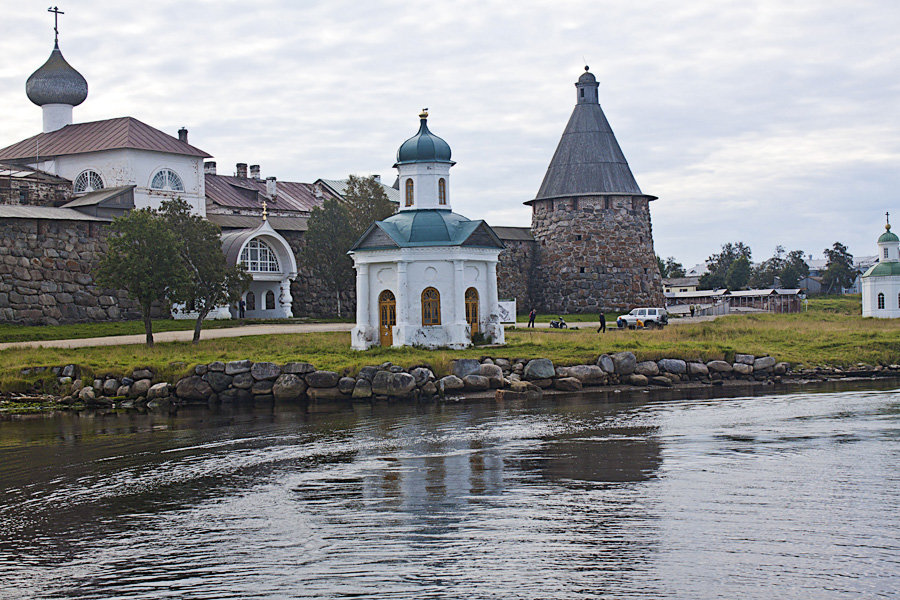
x: 790, y: 496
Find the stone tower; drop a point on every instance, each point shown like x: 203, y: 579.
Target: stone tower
x: 591, y: 222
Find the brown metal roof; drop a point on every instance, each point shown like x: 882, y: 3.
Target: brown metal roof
x: 247, y: 192
x: 248, y: 222
x: 110, y: 134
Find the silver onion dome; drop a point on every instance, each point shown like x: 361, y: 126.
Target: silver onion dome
x: 56, y: 82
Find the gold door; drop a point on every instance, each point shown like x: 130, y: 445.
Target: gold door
x: 472, y: 309
x: 387, y: 309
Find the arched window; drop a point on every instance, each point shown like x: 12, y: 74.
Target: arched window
x: 167, y: 180
x: 431, y: 307
x: 251, y: 301
x: 270, y: 300
x: 258, y: 256
x: 898, y: 300
x: 409, y: 192
x: 442, y: 191
x: 471, y: 299
x: 88, y: 181
x: 880, y: 301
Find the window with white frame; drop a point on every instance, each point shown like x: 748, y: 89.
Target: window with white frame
x: 88, y: 181
x: 258, y: 257
x: 167, y: 180
x: 880, y: 301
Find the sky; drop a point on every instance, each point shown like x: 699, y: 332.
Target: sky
x: 762, y: 121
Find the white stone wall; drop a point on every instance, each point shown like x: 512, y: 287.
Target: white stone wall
x: 425, y: 178
x: 890, y: 287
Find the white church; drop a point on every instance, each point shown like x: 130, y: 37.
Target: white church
x: 881, y: 283
x: 426, y: 276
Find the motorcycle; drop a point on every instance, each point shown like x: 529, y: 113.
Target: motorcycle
x: 558, y: 323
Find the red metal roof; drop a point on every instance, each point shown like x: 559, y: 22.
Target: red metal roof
x: 110, y: 134
x: 247, y: 192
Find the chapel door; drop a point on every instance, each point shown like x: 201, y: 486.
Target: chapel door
x: 387, y: 311
x: 472, y: 309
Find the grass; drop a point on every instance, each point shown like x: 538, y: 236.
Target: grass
x: 830, y: 333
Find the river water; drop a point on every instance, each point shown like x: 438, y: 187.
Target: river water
x: 780, y: 496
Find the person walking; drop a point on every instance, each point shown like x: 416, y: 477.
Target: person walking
x: 693, y: 309
x: 242, y: 309
x: 531, y: 317
x: 602, y: 327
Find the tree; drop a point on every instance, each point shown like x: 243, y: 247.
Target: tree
x: 794, y: 269
x: 211, y: 282
x: 839, y: 268
x: 782, y: 270
x: 670, y: 267
x: 366, y: 202
x: 738, y: 273
x: 327, y: 240
x: 142, y: 259
x: 718, y: 265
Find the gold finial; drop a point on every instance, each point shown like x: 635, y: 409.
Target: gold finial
x: 265, y: 210
x: 423, y: 114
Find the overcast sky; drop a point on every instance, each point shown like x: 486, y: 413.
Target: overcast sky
x: 770, y: 122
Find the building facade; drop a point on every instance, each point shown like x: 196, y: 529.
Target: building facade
x: 881, y: 282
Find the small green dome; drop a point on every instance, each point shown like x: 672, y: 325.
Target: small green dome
x: 883, y: 269
x: 888, y: 236
x: 424, y: 146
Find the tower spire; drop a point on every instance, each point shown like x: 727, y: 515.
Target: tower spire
x: 56, y: 12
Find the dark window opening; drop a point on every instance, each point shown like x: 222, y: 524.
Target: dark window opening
x: 23, y: 195
x: 578, y: 237
x: 582, y: 92
x: 581, y: 269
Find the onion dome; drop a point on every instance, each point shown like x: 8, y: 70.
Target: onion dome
x: 888, y: 236
x: 587, y: 76
x: 424, y: 146
x: 56, y: 82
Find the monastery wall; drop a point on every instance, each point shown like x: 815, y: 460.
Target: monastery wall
x: 515, y: 273
x: 13, y: 190
x: 311, y: 297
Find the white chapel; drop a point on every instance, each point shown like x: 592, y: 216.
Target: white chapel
x: 881, y: 283
x: 426, y: 276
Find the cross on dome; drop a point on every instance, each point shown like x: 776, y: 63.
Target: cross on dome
x: 56, y: 12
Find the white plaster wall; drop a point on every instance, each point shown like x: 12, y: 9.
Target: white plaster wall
x: 425, y: 178
x: 890, y: 287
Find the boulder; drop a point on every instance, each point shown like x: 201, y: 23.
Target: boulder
x: 636, y: 379
x: 217, y: 366
x: 625, y: 363
x: 201, y: 370
x: 265, y: 370
x: 124, y: 391
x: 367, y: 373
x: 381, y: 383
x: 719, y: 366
x: 647, y: 367
x: 396, y: 369
x: 422, y: 375
x: 697, y: 369
x: 346, y: 385
x: 235, y: 367
x: 543, y: 383
x: 742, y: 368
x: 298, y: 368
x: 401, y: 385
x: 98, y: 386
x: 76, y: 386
x: 87, y: 395
x: 523, y: 386
x: 193, y: 388
x: 68, y: 371
x: 288, y: 386
x: 451, y: 383
x: 476, y: 383
x: 263, y: 387
x: 331, y: 393
x: 242, y: 381
x: 322, y: 379
x: 567, y: 384
x: 672, y: 365
x: 587, y: 374
x: 110, y: 386
x: 159, y: 390
x: 661, y: 381
x: 235, y: 396
x: 782, y: 368
x: 504, y: 364
x: 744, y: 359
x: 362, y: 389
x: 539, y: 368
x: 140, y: 388
x: 761, y: 364
x: 142, y: 374
x: 606, y: 363
x: 493, y: 373
x: 465, y: 366
x: 218, y: 380
x: 429, y: 389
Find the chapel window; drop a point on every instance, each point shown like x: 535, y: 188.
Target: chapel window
x: 885, y: 252
x: 167, y: 180
x: 258, y: 257
x: 270, y: 300
x: 88, y: 181
x: 442, y: 191
x: 431, y: 307
x: 880, y: 301
x: 251, y: 301
x: 409, y: 192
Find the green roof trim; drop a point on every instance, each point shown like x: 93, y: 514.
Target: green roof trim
x: 883, y: 269
x: 888, y: 236
x: 426, y: 227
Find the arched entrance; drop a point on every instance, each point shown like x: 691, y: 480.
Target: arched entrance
x: 387, y: 311
x: 472, y: 309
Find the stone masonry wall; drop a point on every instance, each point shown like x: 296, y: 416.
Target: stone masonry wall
x: 45, y: 274
x: 515, y: 272
x: 35, y: 191
x: 311, y: 298
x: 595, y: 252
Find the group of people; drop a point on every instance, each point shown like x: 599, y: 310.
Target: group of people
x: 600, y: 329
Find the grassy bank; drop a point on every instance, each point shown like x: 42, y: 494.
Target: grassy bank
x: 828, y: 334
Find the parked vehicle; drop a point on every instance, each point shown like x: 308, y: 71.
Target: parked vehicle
x: 650, y: 318
x: 558, y: 323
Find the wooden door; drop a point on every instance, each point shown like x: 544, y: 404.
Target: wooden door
x: 387, y: 310
x: 472, y: 309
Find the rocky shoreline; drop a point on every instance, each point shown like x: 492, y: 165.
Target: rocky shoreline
x: 245, y: 381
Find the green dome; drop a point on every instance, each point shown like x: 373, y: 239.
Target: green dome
x: 888, y: 236
x: 423, y: 147
x: 884, y: 269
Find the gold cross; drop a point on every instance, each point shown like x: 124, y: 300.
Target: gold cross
x: 265, y: 211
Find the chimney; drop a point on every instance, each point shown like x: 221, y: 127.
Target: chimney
x: 242, y: 170
x: 254, y: 171
x: 182, y: 135
x: 377, y: 178
x: 271, y: 187
x: 317, y: 190
x: 209, y: 167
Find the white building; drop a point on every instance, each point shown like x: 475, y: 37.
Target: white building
x: 426, y: 276
x: 881, y: 283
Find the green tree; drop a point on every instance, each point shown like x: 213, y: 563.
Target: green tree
x: 142, y: 259
x: 366, y: 202
x: 839, y: 270
x: 738, y: 273
x: 719, y: 264
x: 669, y: 267
x: 794, y: 269
x: 326, y: 242
x: 211, y: 281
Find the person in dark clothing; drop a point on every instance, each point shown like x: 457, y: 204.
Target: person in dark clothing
x: 242, y: 308
x: 531, y: 317
x: 602, y: 323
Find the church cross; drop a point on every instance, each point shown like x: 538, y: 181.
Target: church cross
x: 887, y: 216
x: 265, y: 210
x: 56, y: 12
